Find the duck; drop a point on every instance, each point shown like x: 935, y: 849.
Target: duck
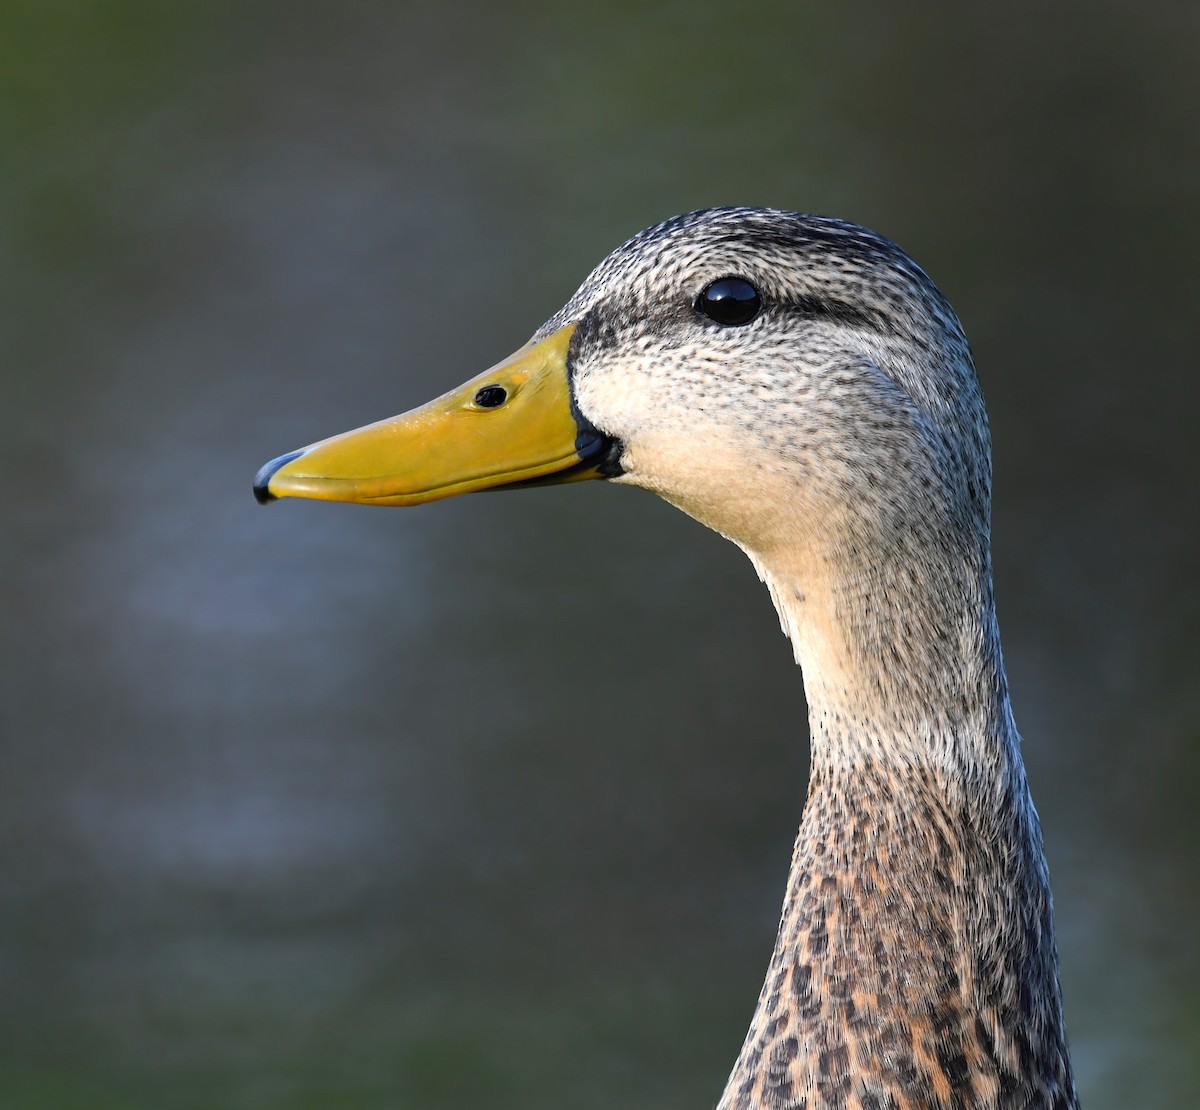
x: 798, y: 384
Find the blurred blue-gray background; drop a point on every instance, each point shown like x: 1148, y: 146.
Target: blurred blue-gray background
x: 490, y: 803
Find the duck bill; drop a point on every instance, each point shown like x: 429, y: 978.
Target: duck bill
x: 514, y: 425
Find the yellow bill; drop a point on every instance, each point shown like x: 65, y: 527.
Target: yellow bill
x: 513, y: 425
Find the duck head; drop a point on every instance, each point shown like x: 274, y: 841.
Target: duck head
x: 795, y: 382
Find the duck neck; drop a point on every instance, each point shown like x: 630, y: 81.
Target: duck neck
x: 915, y: 959
x: 901, y: 661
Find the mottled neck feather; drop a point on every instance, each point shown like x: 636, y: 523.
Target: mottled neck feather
x: 915, y: 965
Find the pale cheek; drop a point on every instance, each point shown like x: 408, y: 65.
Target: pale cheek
x: 724, y: 480
x: 621, y: 400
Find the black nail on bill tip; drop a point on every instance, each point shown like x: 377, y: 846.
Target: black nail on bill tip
x: 262, y: 480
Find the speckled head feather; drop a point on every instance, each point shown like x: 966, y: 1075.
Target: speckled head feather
x: 840, y: 438
x: 824, y: 376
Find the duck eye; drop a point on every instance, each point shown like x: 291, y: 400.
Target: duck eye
x: 729, y: 301
x: 491, y: 396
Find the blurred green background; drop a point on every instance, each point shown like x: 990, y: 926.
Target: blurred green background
x: 490, y: 803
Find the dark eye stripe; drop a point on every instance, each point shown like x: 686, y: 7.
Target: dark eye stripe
x: 730, y: 302
x: 843, y: 312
